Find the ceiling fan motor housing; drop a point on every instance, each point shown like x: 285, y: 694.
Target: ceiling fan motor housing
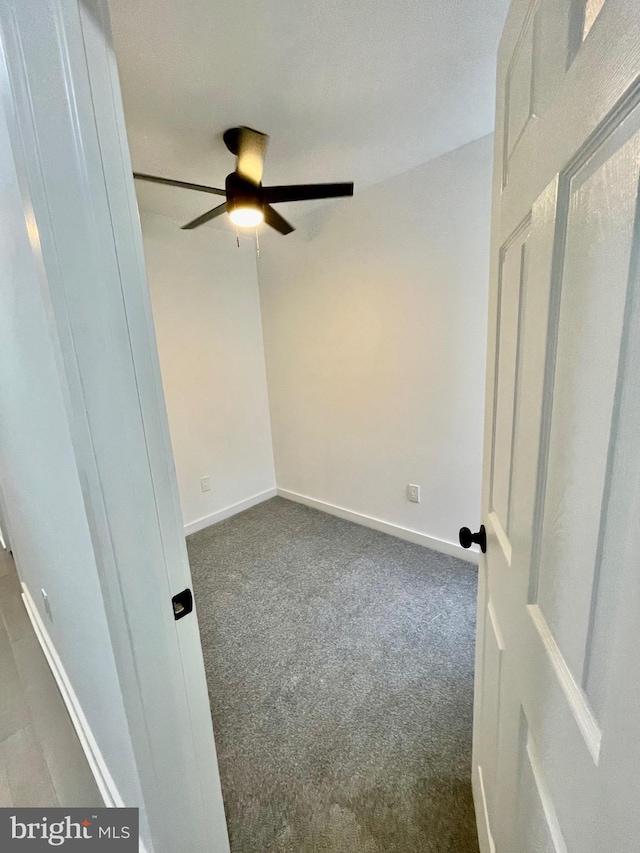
x: 242, y: 193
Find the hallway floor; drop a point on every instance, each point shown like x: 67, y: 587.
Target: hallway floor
x: 41, y: 760
x: 340, y: 668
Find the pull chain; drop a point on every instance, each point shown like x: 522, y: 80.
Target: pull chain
x: 257, y: 244
x: 237, y: 236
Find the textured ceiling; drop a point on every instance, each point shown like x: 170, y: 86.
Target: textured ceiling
x: 356, y: 91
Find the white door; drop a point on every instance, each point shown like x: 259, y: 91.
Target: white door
x: 556, y: 763
x: 60, y: 94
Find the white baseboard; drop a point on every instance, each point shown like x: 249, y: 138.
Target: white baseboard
x: 449, y: 548
x: 228, y: 511
x: 103, y: 778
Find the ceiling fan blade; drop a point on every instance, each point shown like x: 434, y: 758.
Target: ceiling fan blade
x: 200, y: 187
x: 304, y: 192
x: 273, y: 218
x: 210, y: 214
x: 252, y: 146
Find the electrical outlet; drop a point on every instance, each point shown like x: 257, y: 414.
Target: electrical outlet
x: 205, y: 484
x: 413, y: 493
x: 47, y: 604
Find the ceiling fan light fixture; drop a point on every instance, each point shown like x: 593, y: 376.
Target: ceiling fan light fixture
x: 246, y: 216
x: 247, y: 202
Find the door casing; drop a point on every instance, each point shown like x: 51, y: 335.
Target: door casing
x: 66, y: 121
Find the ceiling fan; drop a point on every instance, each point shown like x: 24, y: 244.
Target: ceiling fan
x: 248, y: 203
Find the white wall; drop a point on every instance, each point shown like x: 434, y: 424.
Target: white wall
x: 375, y: 316
x: 41, y: 489
x: 206, y: 308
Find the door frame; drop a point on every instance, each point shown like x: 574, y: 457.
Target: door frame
x: 68, y: 134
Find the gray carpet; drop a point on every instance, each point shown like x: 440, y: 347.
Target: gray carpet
x: 340, y: 670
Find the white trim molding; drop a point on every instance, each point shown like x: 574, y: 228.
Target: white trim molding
x: 228, y: 511
x: 485, y: 837
x: 440, y: 545
x: 104, y: 780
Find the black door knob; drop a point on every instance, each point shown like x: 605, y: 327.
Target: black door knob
x: 467, y: 538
